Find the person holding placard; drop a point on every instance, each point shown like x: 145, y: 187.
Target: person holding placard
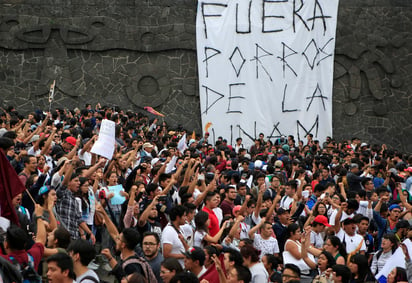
x: 112, y: 197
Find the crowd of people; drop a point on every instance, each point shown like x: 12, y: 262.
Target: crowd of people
x: 173, y: 206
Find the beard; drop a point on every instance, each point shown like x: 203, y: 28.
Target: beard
x: 149, y: 255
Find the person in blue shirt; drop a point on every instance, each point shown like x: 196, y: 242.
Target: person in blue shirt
x: 318, y: 191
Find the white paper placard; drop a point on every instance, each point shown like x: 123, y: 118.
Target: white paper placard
x: 106, y: 142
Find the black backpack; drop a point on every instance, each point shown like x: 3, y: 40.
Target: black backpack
x: 8, y: 272
x: 27, y: 271
x: 91, y: 278
x: 147, y: 270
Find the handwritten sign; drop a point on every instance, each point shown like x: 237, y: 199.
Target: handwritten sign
x: 266, y: 66
x: 106, y: 142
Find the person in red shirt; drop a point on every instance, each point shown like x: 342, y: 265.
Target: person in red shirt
x: 210, y: 204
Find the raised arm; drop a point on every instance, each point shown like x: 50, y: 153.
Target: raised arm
x: 235, y: 226
x: 272, y: 207
x: 67, y: 173
x: 216, y: 237
x: 262, y: 190
x: 92, y: 169
x: 48, y: 142
x: 41, y: 229
x: 252, y: 231
x: 306, y: 247
x: 145, y: 215
x: 342, y: 190
x: 402, y: 197
x: 111, y: 228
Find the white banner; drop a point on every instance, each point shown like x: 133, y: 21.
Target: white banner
x: 266, y: 66
x: 106, y: 142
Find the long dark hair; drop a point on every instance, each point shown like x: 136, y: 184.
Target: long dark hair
x: 330, y: 258
x: 400, y: 274
x: 316, y: 212
x: 364, y: 272
x: 291, y: 229
x: 335, y: 241
x: 200, y: 221
x: 84, y: 197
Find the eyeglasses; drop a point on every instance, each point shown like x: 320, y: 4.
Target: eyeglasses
x: 149, y: 244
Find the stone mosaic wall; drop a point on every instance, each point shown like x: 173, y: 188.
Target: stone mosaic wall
x: 136, y: 53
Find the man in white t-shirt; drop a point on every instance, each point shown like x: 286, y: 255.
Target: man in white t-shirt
x: 173, y: 242
x: 348, y: 210
x: 264, y: 242
x: 290, y: 191
x: 354, y: 242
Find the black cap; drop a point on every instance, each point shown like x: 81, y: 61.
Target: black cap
x: 281, y: 211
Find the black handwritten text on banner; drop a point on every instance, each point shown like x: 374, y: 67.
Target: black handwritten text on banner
x: 265, y: 65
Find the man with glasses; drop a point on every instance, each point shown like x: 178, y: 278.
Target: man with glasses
x: 291, y: 272
x: 151, y: 246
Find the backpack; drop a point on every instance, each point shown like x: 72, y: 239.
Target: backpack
x: 27, y: 271
x: 147, y: 269
x: 91, y: 278
x: 8, y: 272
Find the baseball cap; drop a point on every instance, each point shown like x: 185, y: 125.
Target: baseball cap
x: 236, y: 208
x: 34, y: 138
x: 409, y: 169
x: 71, y: 140
x: 147, y: 144
x: 281, y: 211
x: 154, y: 161
x: 43, y: 190
x: 321, y: 219
x: 258, y: 164
x: 195, y: 253
x: 278, y: 164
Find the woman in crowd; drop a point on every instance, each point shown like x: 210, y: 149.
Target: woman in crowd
x: 389, y: 244
x: 47, y: 199
x: 105, y: 198
x: 334, y: 246
x: 271, y: 264
x: 325, y: 260
x: 397, y: 275
x: 85, y: 198
x: 360, y: 270
x: 169, y: 268
x: 202, y: 236
x: 293, y: 249
x: 250, y: 257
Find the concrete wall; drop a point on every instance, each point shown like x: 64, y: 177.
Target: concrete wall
x: 136, y: 53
